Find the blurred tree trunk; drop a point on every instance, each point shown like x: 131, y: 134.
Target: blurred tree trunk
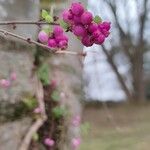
x: 18, y: 57
x: 138, y: 75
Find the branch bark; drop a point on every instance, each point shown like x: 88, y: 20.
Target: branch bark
x: 120, y: 79
x: 30, y: 41
x: 27, y: 23
x: 39, y: 122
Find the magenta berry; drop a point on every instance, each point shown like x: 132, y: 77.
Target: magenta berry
x: 105, y: 32
x: 43, y: 37
x: 77, y: 19
x: 58, y: 30
x: 79, y: 30
x: 77, y: 9
x: 63, y: 44
x: 86, y: 18
x: 61, y: 37
x: 96, y: 34
x: 67, y: 16
x: 87, y: 41
x: 92, y: 27
x: 105, y: 25
x: 52, y: 43
x: 100, y: 40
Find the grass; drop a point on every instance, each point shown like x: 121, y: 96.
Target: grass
x: 127, y: 128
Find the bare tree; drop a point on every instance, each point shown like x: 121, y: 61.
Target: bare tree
x: 132, y: 43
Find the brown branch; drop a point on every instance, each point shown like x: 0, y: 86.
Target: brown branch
x: 27, y: 23
x: 120, y: 79
x: 142, y: 21
x: 30, y: 41
x: 113, y: 9
x: 125, y: 39
x: 39, y: 122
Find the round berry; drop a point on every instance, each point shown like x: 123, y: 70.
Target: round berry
x: 100, y: 40
x: 105, y: 25
x: 92, y: 27
x: 63, y: 44
x: 105, y: 32
x: 87, y: 41
x: 79, y: 30
x: 96, y: 34
x: 43, y: 37
x: 77, y: 19
x: 77, y: 9
x: 61, y: 37
x: 58, y: 30
x: 67, y: 16
x: 49, y: 142
x: 52, y: 43
x: 86, y: 18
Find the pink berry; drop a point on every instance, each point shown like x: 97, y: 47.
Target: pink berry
x: 77, y: 19
x: 43, y: 37
x: 79, y: 30
x: 105, y: 32
x: 61, y: 37
x: 100, y: 40
x: 76, y: 121
x: 37, y: 110
x: 13, y: 76
x: 67, y: 16
x: 4, y: 83
x: 87, y: 41
x: 58, y: 30
x: 92, y: 27
x: 76, y: 143
x: 96, y: 34
x: 77, y: 9
x: 63, y: 44
x: 52, y: 43
x: 105, y: 25
x: 86, y: 18
x: 54, y: 83
x: 49, y: 142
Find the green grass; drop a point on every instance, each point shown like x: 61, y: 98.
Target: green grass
x: 132, y: 133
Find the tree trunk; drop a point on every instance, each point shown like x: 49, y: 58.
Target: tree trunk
x: 138, y: 75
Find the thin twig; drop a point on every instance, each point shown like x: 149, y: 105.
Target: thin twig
x: 39, y: 122
x: 27, y: 23
x: 30, y: 41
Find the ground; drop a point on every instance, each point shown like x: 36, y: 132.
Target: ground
x: 121, y: 127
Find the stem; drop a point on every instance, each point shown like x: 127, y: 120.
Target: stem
x: 39, y: 122
x: 27, y: 23
x: 30, y: 41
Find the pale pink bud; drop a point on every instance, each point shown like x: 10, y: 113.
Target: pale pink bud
x: 49, y: 142
x: 37, y: 110
x: 13, y: 76
x: 43, y: 37
x: 4, y: 83
x: 76, y: 121
x: 76, y: 143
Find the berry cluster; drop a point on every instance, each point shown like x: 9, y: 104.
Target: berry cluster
x: 56, y: 39
x: 82, y: 24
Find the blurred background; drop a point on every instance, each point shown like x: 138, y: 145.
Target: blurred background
x: 110, y: 87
